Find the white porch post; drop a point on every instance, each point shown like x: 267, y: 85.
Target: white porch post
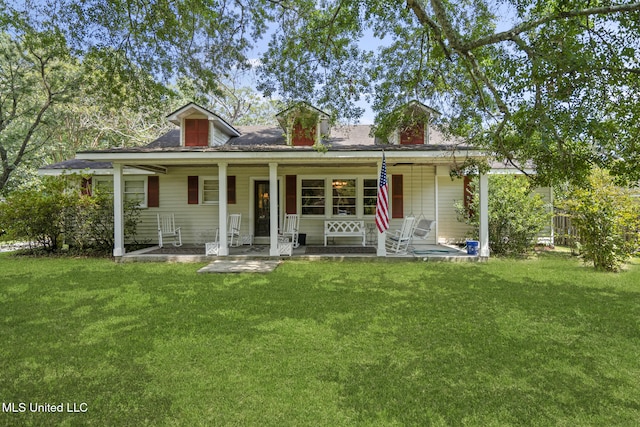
x: 222, y: 209
x: 484, y: 216
x: 118, y: 211
x: 381, y: 250
x: 273, y: 210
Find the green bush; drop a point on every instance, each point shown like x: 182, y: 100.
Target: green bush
x: 57, y: 213
x: 607, y: 220
x: 516, y: 214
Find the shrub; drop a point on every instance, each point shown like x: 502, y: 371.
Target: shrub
x: 516, y: 214
x: 57, y: 212
x: 607, y: 220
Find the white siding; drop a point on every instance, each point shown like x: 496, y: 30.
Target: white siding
x: 450, y: 230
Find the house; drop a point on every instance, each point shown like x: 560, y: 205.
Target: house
x: 206, y: 169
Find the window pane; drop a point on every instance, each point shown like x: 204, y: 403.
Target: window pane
x: 134, y: 190
x: 210, y: 191
x: 312, y: 196
x: 370, y: 195
x: 344, y: 196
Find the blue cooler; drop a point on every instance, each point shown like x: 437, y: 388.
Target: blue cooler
x: 472, y: 247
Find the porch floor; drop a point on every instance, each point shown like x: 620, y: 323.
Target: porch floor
x: 195, y: 253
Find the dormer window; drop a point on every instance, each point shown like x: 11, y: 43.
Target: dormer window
x: 413, y: 135
x: 304, y: 125
x: 303, y: 134
x: 200, y: 127
x: 196, y: 132
x: 408, y: 125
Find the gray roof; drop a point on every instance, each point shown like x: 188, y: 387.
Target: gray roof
x: 271, y: 139
x: 260, y: 138
x: 79, y: 164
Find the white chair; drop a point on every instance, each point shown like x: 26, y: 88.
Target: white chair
x: 423, y: 228
x: 233, y: 229
x: 289, y: 230
x: 398, y: 241
x: 167, y: 229
x: 213, y: 248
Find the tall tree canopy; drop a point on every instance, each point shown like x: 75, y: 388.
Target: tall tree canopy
x: 553, y: 82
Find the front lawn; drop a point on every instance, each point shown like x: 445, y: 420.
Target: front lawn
x: 538, y: 342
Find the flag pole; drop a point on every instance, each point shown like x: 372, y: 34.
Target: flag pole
x: 382, y: 206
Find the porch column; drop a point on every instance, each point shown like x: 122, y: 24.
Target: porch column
x: 273, y: 210
x: 484, y: 216
x: 118, y: 211
x: 381, y: 250
x: 222, y: 209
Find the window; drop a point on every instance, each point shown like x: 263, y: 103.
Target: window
x: 135, y: 188
x: 312, y: 196
x: 344, y: 196
x: 210, y: 191
x: 196, y: 132
x: 134, y: 191
x: 370, y: 196
x: 413, y: 135
x: 304, y: 134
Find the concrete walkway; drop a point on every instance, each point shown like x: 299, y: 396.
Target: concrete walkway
x: 240, y: 266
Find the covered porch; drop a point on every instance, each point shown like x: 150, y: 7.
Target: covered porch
x: 277, y: 172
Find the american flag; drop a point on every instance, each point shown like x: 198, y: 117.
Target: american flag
x: 382, y: 204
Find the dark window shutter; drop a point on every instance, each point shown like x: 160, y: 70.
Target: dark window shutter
x: 231, y: 190
x: 303, y: 136
x: 192, y: 191
x: 397, y: 201
x: 290, y: 197
x: 86, y: 187
x: 196, y: 132
x: 153, y: 191
x: 413, y: 136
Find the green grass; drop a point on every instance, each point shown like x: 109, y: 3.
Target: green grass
x: 538, y: 342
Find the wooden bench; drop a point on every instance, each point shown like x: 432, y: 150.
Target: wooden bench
x: 344, y: 228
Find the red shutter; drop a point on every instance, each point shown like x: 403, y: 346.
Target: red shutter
x: 290, y: 196
x: 196, y: 132
x: 86, y: 187
x: 413, y: 136
x: 231, y: 190
x: 397, y: 202
x: 303, y: 136
x: 153, y: 192
x: 192, y: 190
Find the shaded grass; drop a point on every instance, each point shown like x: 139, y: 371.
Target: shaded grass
x: 537, y: 342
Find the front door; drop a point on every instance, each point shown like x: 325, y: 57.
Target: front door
x: 262, y: 208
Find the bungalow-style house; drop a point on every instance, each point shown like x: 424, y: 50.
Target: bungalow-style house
x: 206, y: 169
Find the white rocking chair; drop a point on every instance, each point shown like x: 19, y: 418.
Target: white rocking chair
x: 167, y: 229
x: 399, y: 240
x: 290, y: 229
x: 233, y: 229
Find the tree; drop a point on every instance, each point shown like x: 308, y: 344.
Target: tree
x: 607, y: 220
x: 234, y: 100
x: 35, y: 77
x: 553, y: 82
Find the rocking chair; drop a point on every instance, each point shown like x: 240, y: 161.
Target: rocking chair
x: 167, y: 229
x: 399, y: 240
